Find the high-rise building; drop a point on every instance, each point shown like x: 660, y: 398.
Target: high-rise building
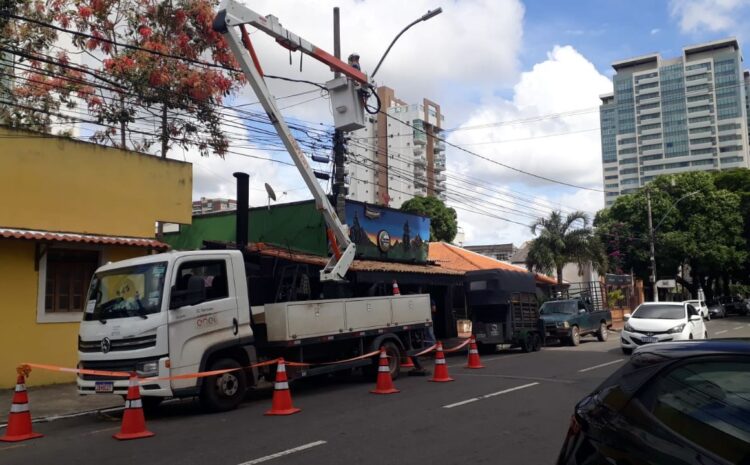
x: 205, y: 205
x: 396, y: 156
x: 688, y: 113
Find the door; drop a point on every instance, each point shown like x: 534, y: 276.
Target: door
x: 697, y: 328
x: 584, y: 317
x: 195, y: 328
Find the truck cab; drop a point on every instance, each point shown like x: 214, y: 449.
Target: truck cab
x: 569, y: 319
x: 163, y: 315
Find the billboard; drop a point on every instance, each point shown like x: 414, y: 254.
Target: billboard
x: 386, y: 234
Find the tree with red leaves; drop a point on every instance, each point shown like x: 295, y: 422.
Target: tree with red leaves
x: 136, y: 76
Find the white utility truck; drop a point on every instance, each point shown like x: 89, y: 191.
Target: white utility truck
x: 185, y: 312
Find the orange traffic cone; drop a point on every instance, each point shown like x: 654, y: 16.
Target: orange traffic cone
x: 19, y: 420
x: 474, y: 361
x: 384, y: 384
x: 395, y: 288
x: 407, y: 362
x: 282, y: 400
x: 133, y: 421
x: 441, y: 369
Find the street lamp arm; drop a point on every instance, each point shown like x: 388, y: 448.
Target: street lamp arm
x: 424, y: 17
x: 673, y: 206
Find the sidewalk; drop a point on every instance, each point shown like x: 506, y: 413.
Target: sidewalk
x: 57, y: 399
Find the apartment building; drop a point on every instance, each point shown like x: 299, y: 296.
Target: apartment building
x: 205, y: 205
x: 669, y: 116
x: 397, y: 156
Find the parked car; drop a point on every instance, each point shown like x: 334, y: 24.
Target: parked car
x: 570, y: 319
x: 735, y: 305
x: 678, y: 403
x: 702, y: 308
x: 717, y: 310
x: 660, y: 322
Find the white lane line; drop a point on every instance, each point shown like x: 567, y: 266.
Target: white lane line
x: 284, y: 452
x: 737, y: 327
x: 488, y: 359
x: 722, y: 331
x: 600, y: 366
x: 487, y: 396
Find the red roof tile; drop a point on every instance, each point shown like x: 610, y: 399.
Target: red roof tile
x: 38, y: 235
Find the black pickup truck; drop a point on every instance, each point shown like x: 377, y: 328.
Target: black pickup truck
x: 578, y: 310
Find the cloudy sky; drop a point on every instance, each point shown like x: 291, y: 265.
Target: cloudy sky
x: 519, y: 82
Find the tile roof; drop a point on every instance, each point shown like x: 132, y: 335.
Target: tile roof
x: 40, y: 235
x: 457, y: 258
x: 357, y: 265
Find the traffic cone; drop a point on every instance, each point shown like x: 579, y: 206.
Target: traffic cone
x: 133, y: 421
x: 441, y: 369
x: 474, y: 361
x: 281, y: 403
x: 19, y: 419
x: 395, y: 288
x: 384, y: 383
x: 407, y: 362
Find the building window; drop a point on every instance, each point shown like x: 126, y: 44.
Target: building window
x: 64, y: 277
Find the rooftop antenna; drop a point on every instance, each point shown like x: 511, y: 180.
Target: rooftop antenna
x: 271, y: 195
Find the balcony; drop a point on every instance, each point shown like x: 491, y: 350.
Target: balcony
x: 418, y: 150
x: 439, y: 146
x: 440, y: 178
x: 705, y: 100
x: 649, y: 111
x: 647, y: 132
x: 420, y: 160
x: 645, y: 80
x: 439, y: 166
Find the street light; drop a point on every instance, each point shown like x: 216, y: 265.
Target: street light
x: 652, y: 230
x: 425, y: 17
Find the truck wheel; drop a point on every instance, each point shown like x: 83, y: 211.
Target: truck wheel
x: 486, y: 349
x: 151, y: 404
x: 394, y: 356
x: 223, y: 392
x: 527, y: 344
x: 575, y: 336
x: 537, y: 343
x: 603, y: 333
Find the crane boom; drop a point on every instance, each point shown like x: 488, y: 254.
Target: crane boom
x: 231, y: 13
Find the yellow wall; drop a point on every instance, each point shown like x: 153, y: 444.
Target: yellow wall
x: 58, y: 184
x: 22, y: 338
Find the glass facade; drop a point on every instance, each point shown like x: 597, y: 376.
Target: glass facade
x: 689, y: 113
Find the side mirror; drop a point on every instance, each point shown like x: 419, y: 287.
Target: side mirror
x: 626, y: 316
x: 695, y: 318
x: 582, y: 310
x: 193, y: 295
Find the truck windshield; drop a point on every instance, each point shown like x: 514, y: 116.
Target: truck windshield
x: 566, y: 307
x: 126, y: 292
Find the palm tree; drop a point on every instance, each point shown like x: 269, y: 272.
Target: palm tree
x: 558, y: 243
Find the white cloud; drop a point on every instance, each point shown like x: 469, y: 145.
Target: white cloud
x: 565, y: 148
x: 707, y: 15
x: 655, y: 31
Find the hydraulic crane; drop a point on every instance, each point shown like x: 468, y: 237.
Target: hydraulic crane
x: 348, y: 109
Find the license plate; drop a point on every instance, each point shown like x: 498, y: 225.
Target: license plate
x: 650, y: 339
x: 107, y: 387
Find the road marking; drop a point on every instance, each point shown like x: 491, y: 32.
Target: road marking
x: 487, y: 396
x: 737, y: 327
x: 284, y: 452
x: 722, y: 332
x: 489, y: 359
x: 601, y: 365
x: 524, y: 378
x: 14, y: 446
x: 89, y: 433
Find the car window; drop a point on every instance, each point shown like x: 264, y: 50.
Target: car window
x: 213, y: 272
x: 660, y: 312
x: 707, y: 403
x: 581, y: 305
x: 691, y: 310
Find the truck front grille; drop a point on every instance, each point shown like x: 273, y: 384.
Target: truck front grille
x: 127, y: 366
x: 132, y: 343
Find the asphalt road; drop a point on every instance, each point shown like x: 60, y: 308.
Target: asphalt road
x: 514, y: 411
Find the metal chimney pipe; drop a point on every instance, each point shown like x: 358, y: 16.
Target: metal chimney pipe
x: 243, y: 205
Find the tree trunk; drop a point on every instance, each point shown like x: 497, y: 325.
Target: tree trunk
x: 164, y: 132
x: 559, y: 274
x: 122, y: 123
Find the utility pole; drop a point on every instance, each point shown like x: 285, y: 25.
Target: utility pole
x: 339, y: 190
x: 651, y: 240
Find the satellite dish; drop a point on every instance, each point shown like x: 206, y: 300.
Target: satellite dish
x: 271, y: 193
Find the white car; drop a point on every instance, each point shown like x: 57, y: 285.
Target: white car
x: 660, y: 322
x: 701, y: 307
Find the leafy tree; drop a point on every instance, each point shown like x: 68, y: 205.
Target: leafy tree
x: 559, y: 243
x: 443, y: 220
x: 137, y: 77
x: 697, y: 227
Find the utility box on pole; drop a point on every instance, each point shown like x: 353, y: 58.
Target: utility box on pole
x: 348, y: 111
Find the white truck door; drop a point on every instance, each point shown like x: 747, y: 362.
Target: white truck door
x: 195, y: 328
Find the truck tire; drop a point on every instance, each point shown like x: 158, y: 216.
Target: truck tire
x: 527, y: 343
x: 603, y: 333
x: 537, y: 342
x: 394, y: 360
x: 223, y: 392
x: 151, y: 404
x: 575, y: 336
x: 486, y: 349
